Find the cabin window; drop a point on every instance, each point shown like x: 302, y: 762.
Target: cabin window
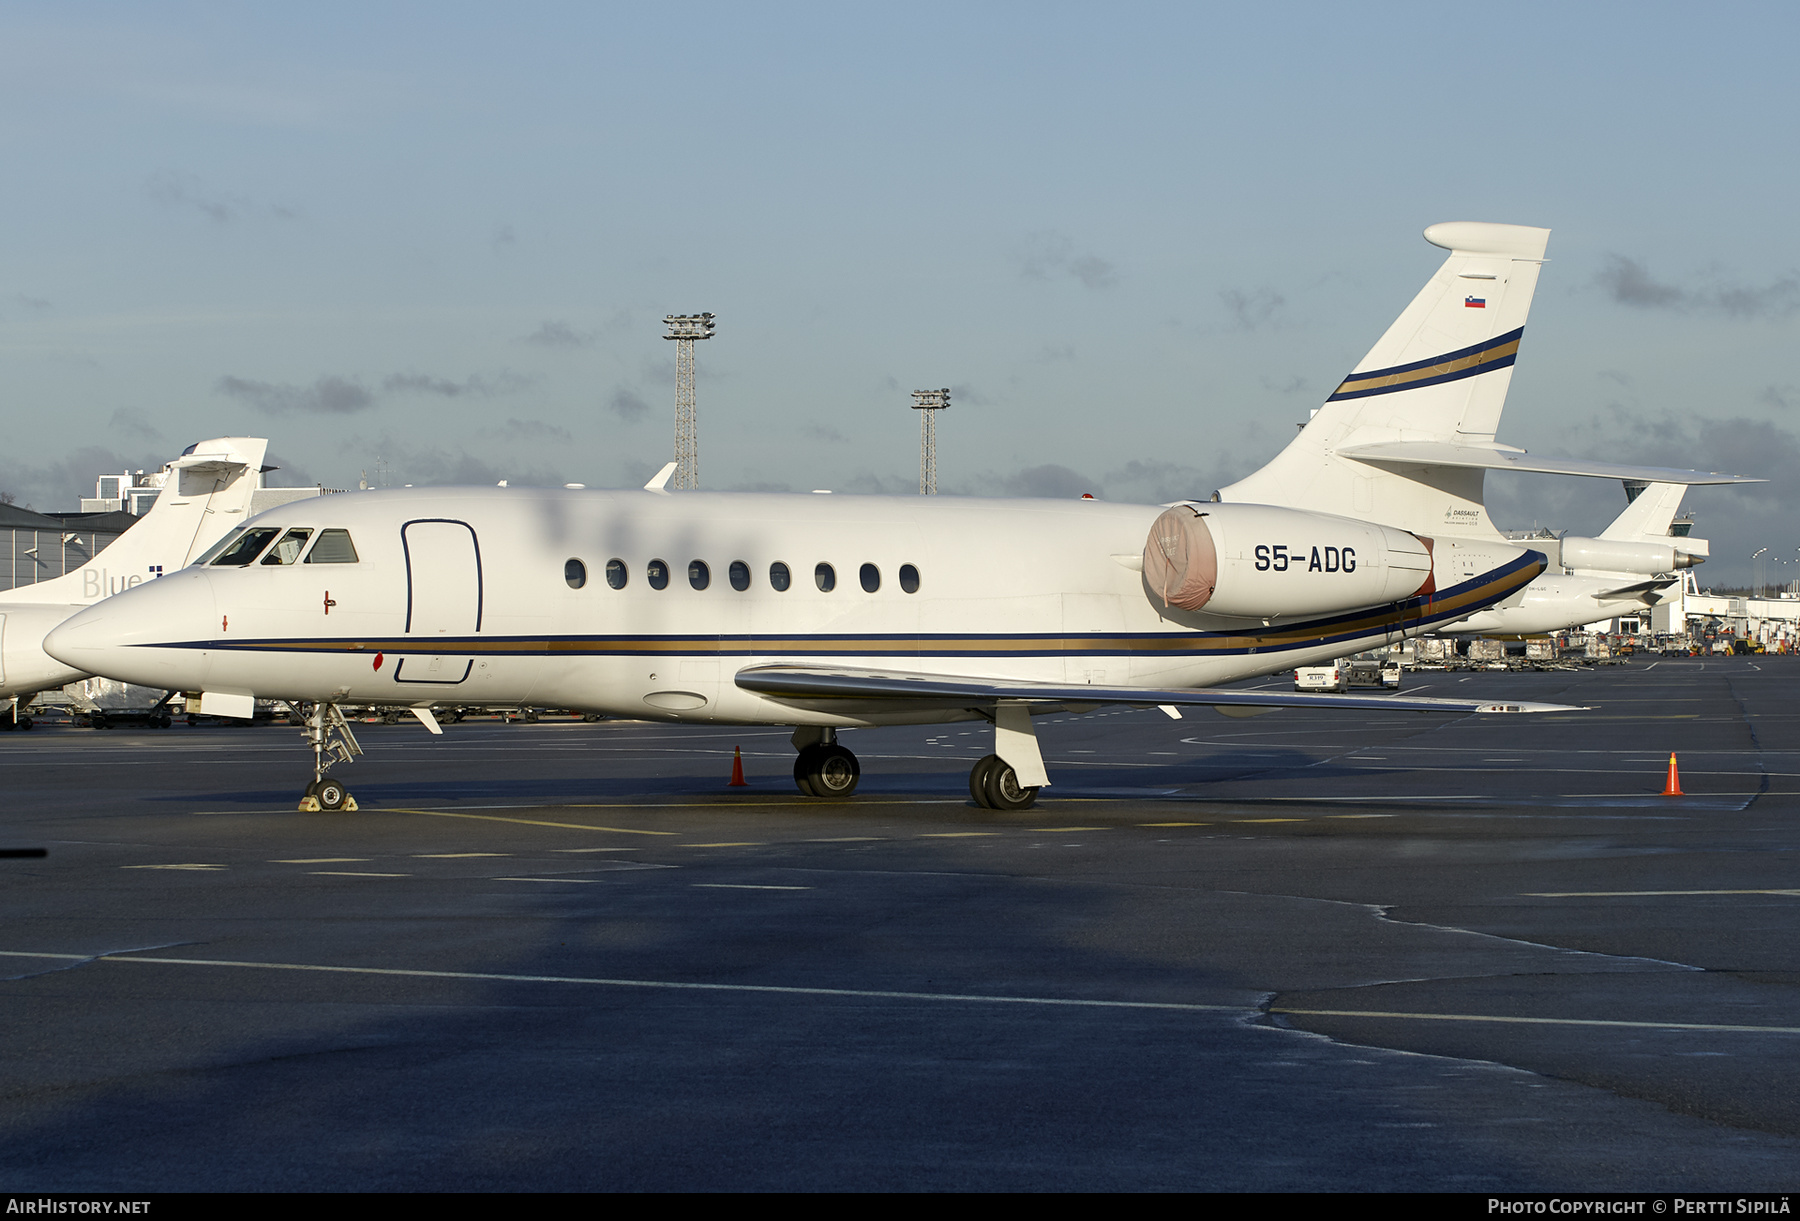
x: 870, y: 576
x: 575, y: 573
x: 779, y: 577
x: 617, y: 574
x: 825, y: 577
x: 247, y: 548
x: 740, y: 575
x: 333, y: 547
x: 909, y: 578
x: 289, y: 548
x: 699, y: 575
x: 657, y: 573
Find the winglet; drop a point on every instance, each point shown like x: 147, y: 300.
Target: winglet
x: 661, y: 482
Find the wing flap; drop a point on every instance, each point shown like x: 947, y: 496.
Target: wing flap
x: 827, y: 683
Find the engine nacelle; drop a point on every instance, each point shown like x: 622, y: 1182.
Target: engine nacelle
x: 1605, y: 555
x: 1263, y: 562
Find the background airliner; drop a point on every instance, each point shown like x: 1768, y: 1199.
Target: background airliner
x: 207, y: 495
x: 828, y: 612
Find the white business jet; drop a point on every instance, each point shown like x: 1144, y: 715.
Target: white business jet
x: 1625, y: 571
x: 830, y: 612
x: 206, y: 495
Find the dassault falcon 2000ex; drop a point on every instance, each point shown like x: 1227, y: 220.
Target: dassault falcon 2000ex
x: 830, y: 612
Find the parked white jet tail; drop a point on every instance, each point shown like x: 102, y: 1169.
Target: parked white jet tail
x: 1438, y: 377
x: 208, y: 493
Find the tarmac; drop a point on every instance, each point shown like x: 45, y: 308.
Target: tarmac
x: 1306, y: 951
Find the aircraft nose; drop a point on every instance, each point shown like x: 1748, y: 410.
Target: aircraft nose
x: 119, y: 637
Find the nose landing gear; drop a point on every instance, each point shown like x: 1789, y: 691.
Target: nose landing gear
x: 328, y: 733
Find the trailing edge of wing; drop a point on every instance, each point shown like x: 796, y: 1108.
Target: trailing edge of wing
x: 828, y: 683
x: 1506, y: 458
x: 1647, y: 592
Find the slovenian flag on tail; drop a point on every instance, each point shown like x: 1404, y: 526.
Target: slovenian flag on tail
x: 1474, y: 302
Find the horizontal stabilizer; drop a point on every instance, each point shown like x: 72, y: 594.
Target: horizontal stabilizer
x: 1647, y: 592
x: 1506, y: 458
x: 828, y: 683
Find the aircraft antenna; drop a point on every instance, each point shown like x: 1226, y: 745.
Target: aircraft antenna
x: 929, y: 402
x: 684, y: 329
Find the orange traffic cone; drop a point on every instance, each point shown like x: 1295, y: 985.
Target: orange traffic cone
x: 737, y: 768
x: 1673, y: 787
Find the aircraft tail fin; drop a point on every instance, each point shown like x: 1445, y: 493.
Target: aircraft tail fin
x: 1648, y: 516
x: 207, y: 493
x: 1439, y: 374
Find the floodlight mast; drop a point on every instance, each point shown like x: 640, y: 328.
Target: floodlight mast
x: 684, y: 329
x: 929, y: 402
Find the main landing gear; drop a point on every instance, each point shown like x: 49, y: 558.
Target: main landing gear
x: 1008, y: 779
x: 328, y: 733
x: 823, y: 768
x: 994, y: 784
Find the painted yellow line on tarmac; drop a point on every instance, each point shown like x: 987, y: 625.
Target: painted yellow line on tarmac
x: 453, y: 856
x: 1645, y: 894
x: 1174, y: 824
x: 1035, y: 829
x: 531, y: 822
x: 1271, y: 820
x: 199, y: 867
x: 1609, y: 1023
x: 975, y: 998
x: 743, y: 886
x: 956, y: 834
x: 749, y: 843
x: 347, y: 873
x: 322, y: 860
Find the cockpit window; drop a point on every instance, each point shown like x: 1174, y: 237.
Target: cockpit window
x: 289, y: 548
x: 333, y: 547
x: 248, y: 546
x: 207, y: 556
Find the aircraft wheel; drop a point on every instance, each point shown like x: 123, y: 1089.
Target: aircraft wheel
x: 835, y: 772
x: 978, y: 780
x: 25, y: 722
x: 98, y: 720
x: 803, y: 765
x: 331, y: 795
x: 1004, y: 792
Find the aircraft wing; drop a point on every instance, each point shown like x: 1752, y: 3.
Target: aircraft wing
x: 802, y: 682
x: 1507, y: 458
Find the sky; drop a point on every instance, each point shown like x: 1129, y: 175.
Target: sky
x: 434, y: 243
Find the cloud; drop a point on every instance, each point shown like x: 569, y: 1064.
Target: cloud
x: 504, y: 382
x: 1252, y: 309
x: 628, y: 405
x: 1052, y: 353
x: 185, y: 191
x: 824, y: 432
x: 1629, y: 282
x: 533, y: 432
x: 1051, y: 256
x: 60, y: 484
x: 335, y: 395
x: 1050, y: 480
x: 1785, y: 397
x: 330, y: 395
x: 444, y: 465
x: 552, y: 334
x: 504, y: 238
x: 1295, y: 384
x: 134, y: 423
x: 36, y: 305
